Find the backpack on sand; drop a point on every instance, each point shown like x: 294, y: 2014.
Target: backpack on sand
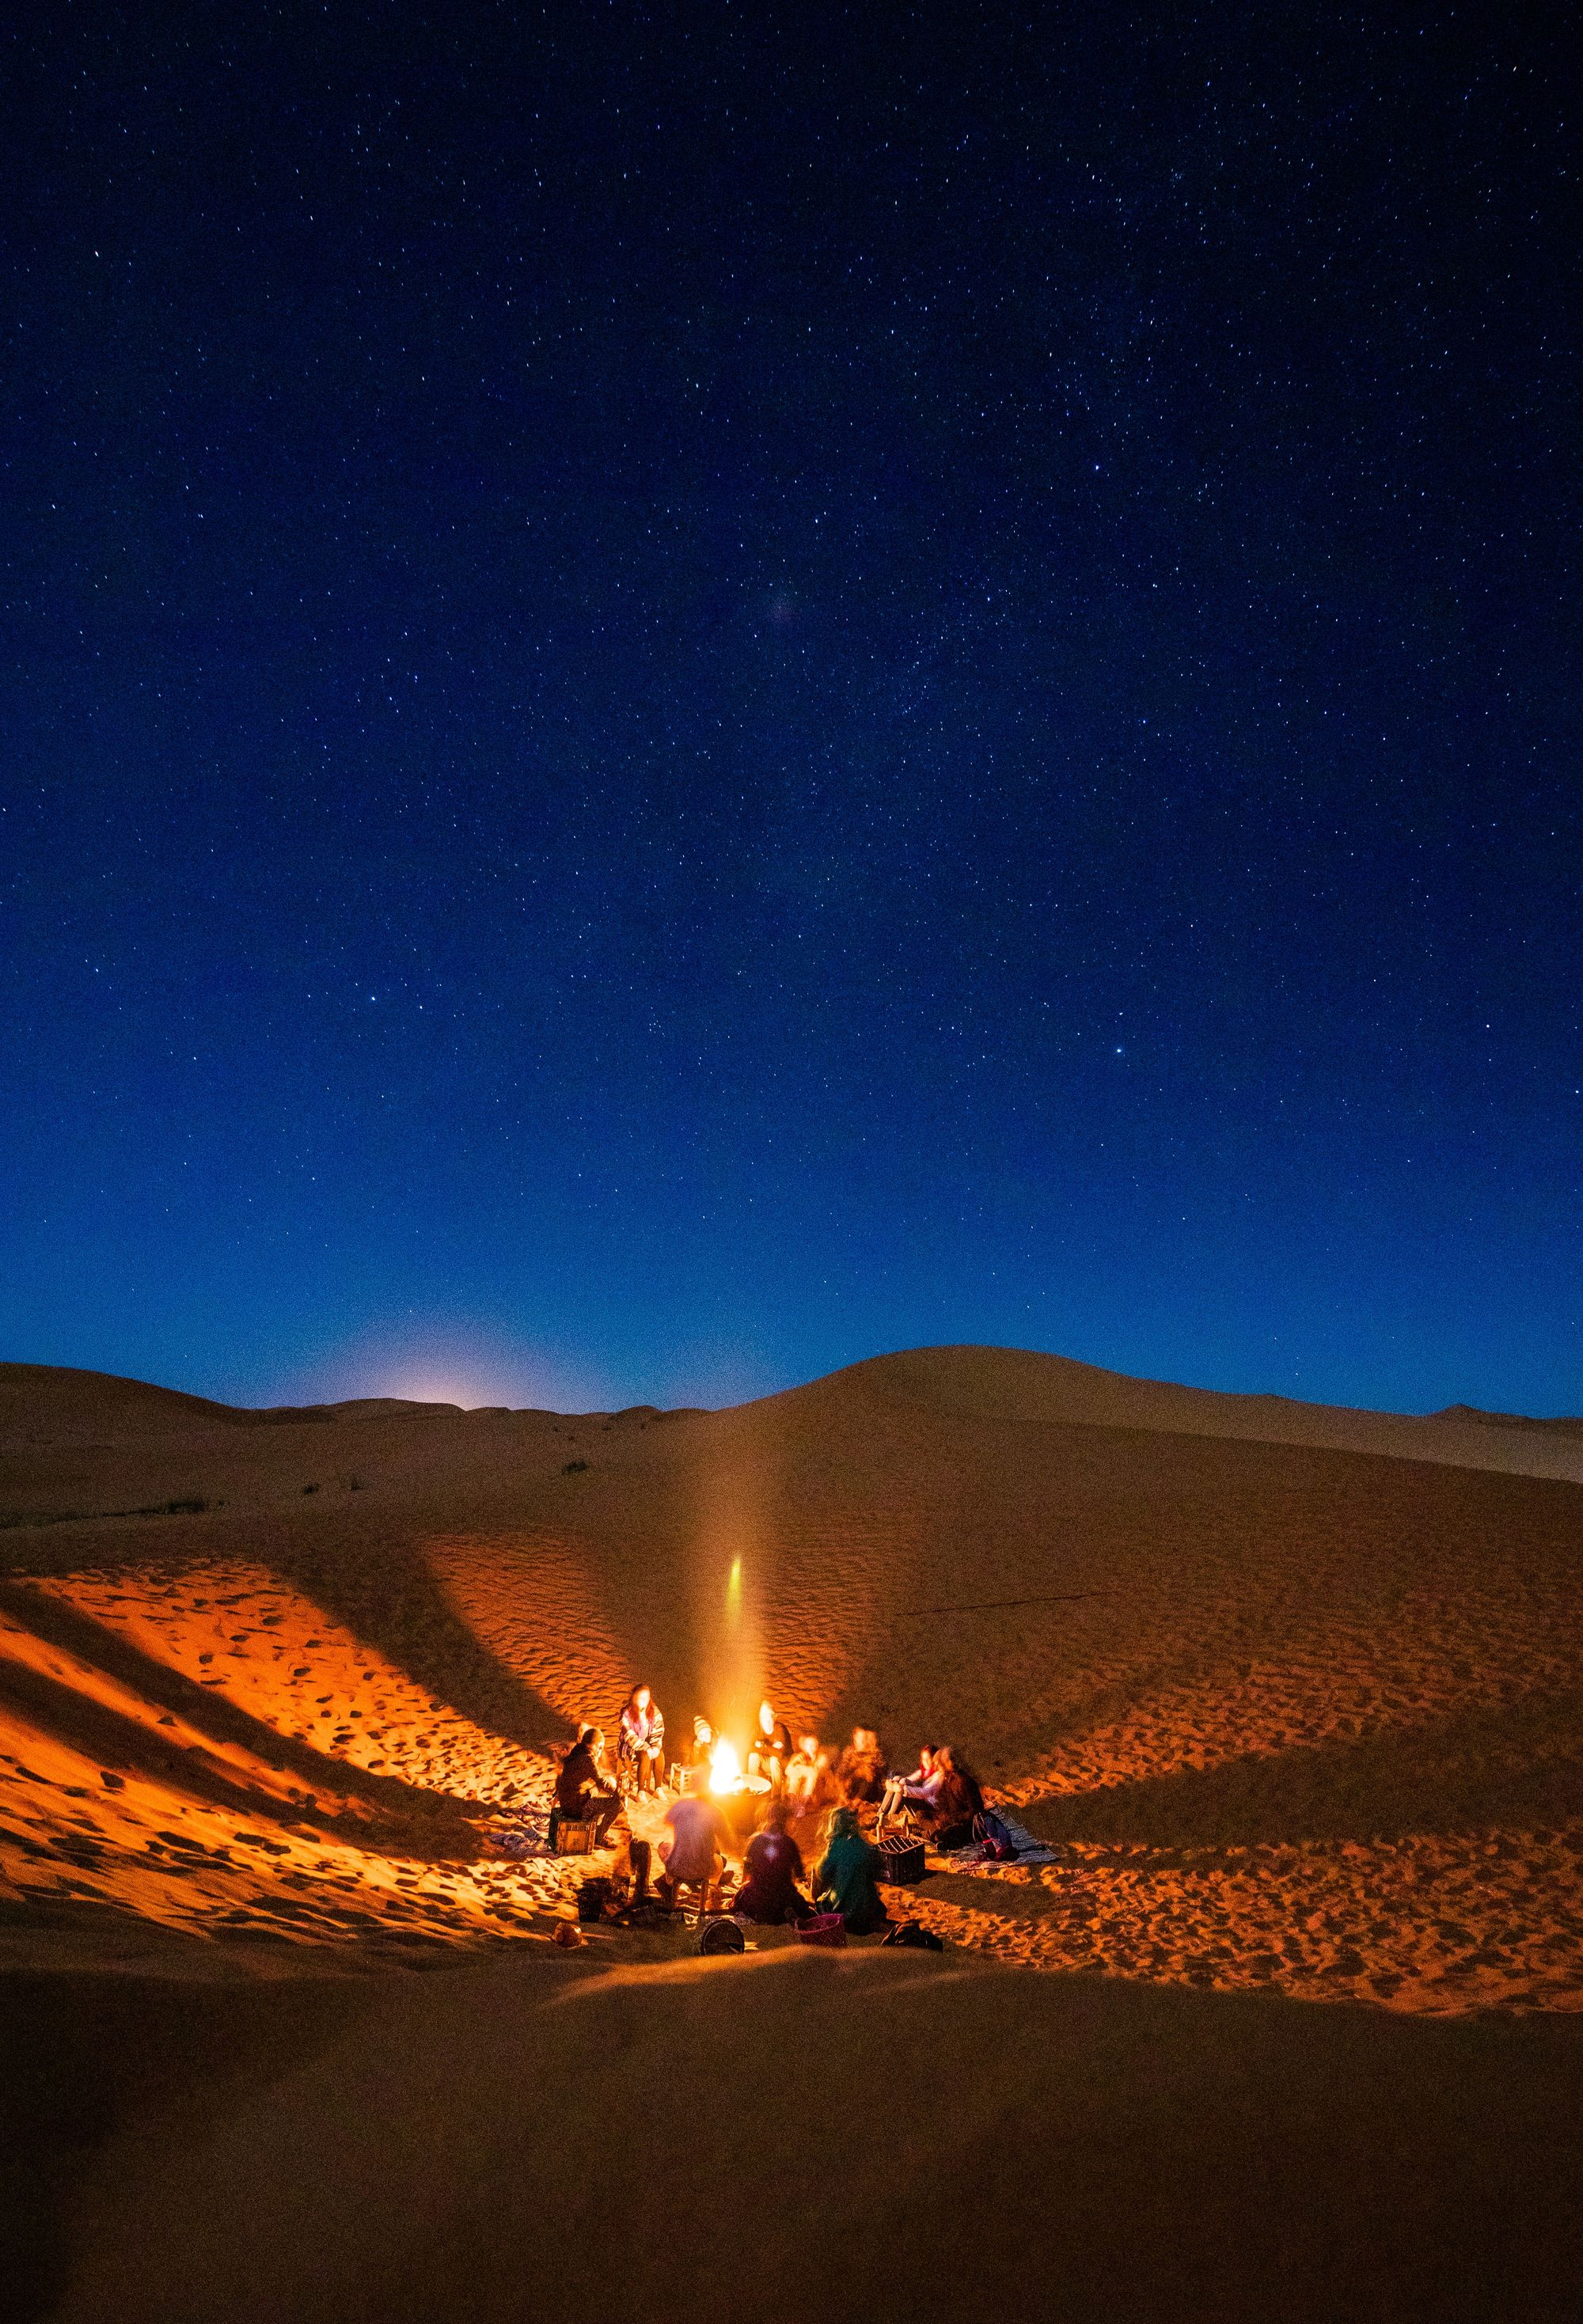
x: 915, y: 1937
x: 995, y: 1838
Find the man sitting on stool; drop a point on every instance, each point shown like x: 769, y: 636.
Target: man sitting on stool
x: 582, y: 1796
x: 700, y: 1835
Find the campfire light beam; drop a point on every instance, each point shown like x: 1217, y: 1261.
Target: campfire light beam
x: 739, y: 1671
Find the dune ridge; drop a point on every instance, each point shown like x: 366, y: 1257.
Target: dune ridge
x: 1297, y: 1705
x: 50, y: 1404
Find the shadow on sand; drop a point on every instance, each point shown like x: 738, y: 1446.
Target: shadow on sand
x: 427, y: 1823
x: 1517, y: 1765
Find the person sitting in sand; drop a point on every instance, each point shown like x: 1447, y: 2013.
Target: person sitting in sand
x: 640, y: 1751
x: 845, y: 1881
x: 771, y: 1749
x: 811, y: 1781
x: 583, y: 1793
x: 700, y: 1836
x: 956, y: 1801
x: 771, y: 1869
x: 861, y: 1771
x: 917, y: 1791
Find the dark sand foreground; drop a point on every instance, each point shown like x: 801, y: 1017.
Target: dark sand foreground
x: 795, y: 2135
x: 1295, y: 1693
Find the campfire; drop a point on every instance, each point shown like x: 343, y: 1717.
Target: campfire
x: 740, y: 1794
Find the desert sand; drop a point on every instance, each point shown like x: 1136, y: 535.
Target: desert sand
x: 1293, y: 1693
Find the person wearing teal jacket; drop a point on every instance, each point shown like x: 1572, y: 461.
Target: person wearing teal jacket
x: 845, y: 1882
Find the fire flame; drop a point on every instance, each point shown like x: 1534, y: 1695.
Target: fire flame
x: 725, y: 1766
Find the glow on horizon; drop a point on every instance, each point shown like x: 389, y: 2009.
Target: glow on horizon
x: 449, y: 1366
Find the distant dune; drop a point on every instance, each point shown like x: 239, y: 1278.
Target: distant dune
x: 42, y: 1405
x: 1294, y: 1695
x: 1018, y: 1388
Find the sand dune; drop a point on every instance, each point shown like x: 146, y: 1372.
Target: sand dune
x: 1294, y: 1694
x: 1022, y: 1391
x: 1250, y: 1684
x: 516, y: 2141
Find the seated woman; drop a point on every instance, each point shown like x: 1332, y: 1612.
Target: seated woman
x: 861, y: 1772
x: 844, y: 1880
x: 700, y: 1835
x: 771, y: 1748
x: 916, y: 1790
x: 641, y: 1747
x: 583, y: 1793
x: 771, y: 1869
x: 956, y: 1802
x: 811, y: 1781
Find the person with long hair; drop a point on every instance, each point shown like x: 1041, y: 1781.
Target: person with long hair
x: 845, y: 1879
x: 917, y: 1791
x: 957, y: 1802
x: 641, y: 1747
x: 772, y: 1869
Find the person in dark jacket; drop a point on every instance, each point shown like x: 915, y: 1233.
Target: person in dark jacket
x: 771, y: 1869
x: 845, y: 1881
x: 861, y: 1770
x: 582, y: 1793
x: 956, y: 1801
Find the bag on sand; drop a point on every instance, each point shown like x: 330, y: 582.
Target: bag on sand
x: 995, y: 1838
x: 915, y: 1937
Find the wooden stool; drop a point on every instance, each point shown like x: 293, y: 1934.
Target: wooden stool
x: 703, y: 1890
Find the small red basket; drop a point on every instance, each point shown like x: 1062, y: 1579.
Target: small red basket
x: 824, y: 1929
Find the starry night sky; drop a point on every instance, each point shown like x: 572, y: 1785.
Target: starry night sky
x: 692, y: 692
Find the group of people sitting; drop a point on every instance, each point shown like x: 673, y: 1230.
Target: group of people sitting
x: 787, y: 1778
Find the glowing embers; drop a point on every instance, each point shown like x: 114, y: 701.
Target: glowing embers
x: 725, y: 1766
